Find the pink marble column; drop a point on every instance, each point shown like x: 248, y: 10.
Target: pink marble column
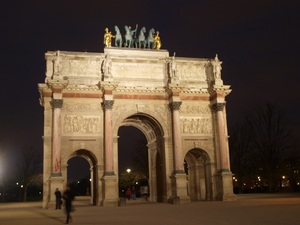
x: 108, y: 137
x: 224, y: 157
x: 177, y: 137
x: 56, y: 135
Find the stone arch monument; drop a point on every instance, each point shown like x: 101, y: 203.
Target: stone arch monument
x: 177, y: 103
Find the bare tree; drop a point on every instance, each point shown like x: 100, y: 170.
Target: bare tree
x: 270, y: 138
x: 29, y: 167
x: 240, y: 145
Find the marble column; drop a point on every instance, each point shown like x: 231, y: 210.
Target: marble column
x: 174, y: 106
x: 224, y: 157
x: 108, y: 137
x: 56, y: 136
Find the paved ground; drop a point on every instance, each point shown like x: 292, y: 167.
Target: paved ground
x: 262, y: 209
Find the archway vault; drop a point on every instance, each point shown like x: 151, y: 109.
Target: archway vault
x: 93, y: 167
x: 154, y: 136
x: 199, y: 175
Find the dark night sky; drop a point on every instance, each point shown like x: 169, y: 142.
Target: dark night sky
x: 258, y: 42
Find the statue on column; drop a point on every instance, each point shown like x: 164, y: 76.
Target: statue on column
x: 57, y: 63
x: 106, y: 65
x: 217, y: 68
x: 172, y: 66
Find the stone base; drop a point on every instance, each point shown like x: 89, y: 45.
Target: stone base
x: 110, y: 202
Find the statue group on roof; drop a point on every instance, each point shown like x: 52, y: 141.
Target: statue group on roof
x: 131, y: 40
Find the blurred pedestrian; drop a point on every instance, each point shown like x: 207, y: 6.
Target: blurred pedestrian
x: 58, y: 201
x: 68, y: 197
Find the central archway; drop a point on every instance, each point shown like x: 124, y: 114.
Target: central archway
x: 156, y: 154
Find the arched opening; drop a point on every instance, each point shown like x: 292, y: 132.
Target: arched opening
x: 81, y: 174
x: 152, y: 155
x: 197, y: 168
x: 133, y: 161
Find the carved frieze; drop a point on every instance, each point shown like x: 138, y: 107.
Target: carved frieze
x: 195, y: 109
x: 81, y: 124
x: 191, y: 71
x: 200, y: 125
x: 91, y: 108
x: 138, y: 70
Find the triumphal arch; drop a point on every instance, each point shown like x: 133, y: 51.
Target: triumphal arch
x: 177, y: 103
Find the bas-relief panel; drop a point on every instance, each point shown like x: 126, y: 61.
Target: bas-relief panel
x: 78, y: 68
x: 191, y: 72
x: 138, y: 70
x: 78, y: 119
x: 195, y: 119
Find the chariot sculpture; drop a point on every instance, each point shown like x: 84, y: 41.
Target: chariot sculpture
x: 130, y: 39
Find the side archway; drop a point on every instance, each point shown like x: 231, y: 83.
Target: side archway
x: 92, y: 161
x: 199, y: 183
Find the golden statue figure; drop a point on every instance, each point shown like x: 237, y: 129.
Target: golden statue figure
x: 107, y: 38
x: 157, y: 42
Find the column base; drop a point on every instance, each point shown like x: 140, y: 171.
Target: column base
x: 180, y: 195
x: 225, y: 187
x: 111, y: 194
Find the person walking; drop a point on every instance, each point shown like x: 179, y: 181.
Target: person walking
x: 68, y: 196
x: 57, y: 199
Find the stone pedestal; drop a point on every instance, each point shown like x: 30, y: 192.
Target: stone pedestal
x: 55, y: 182
x: 111, y: 196
x: 181, y: 196
x: 225, y: 178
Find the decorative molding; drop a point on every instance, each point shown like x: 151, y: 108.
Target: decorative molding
x: 218, y: 107
x: 107, y: 104
x: 175, y: 105
x: 56, y: 103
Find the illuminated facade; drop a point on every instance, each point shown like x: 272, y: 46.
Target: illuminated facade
x: 178, y: 103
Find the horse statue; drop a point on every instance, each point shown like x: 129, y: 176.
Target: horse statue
x: 150, y: 39
x: 142, y: 40
x: 118, y: 37
x: 128, y: 36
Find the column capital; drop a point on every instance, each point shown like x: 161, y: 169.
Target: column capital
x: 218, y: 107
x: 107, y: 104
x: 56, y: 103
x: 175, y: 105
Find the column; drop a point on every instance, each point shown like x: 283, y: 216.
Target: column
x: 56, y: 136
x: 177, y: 137
x: 108, y: 137
x: 224, y: 157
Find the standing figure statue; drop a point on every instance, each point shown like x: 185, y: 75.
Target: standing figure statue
x: 172, y: 66
x: 217, y: 67
x: 118, y: 37
x: 150, y: 38
x: 107, y: 38
x: 157, y: 42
